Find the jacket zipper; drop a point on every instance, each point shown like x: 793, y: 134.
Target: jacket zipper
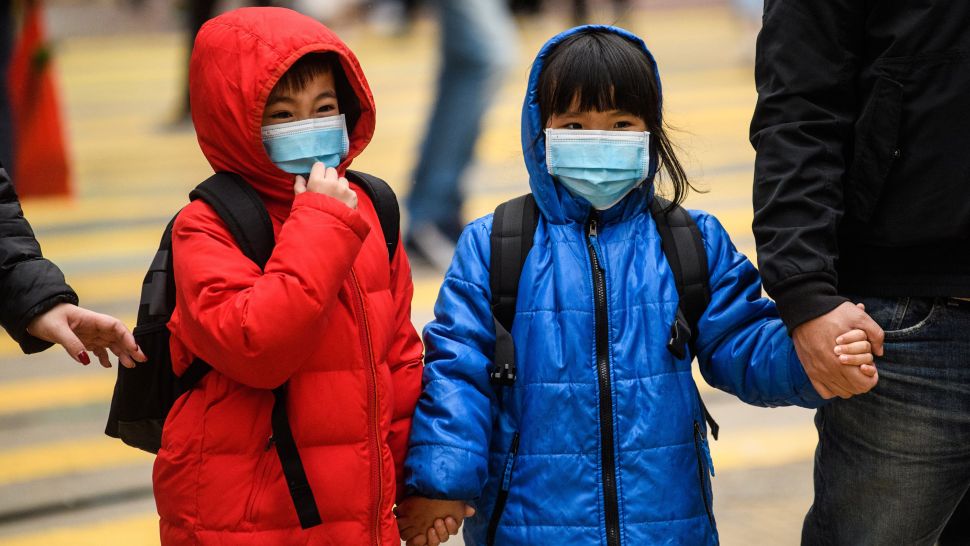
x: 375, y: 447
x: 610, y: 502
x: 701, y: 459
x: 503, y: 493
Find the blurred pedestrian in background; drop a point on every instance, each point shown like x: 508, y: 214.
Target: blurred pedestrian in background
x: 477, y: 46
x: 39, y: 308
x: 861, y: 181
x: 197, y: 12
x: 580, y: 8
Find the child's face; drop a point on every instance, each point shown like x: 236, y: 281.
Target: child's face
x: 318, y: 99
x: 596, y: 120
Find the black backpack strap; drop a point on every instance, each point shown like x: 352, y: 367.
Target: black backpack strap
x: 683, y: 247
x: 246, y: 217
x: 385, y: 203
x: 158, y: 288
x: 513, y: 229
x: 243, y: 211
x: 296, y: 480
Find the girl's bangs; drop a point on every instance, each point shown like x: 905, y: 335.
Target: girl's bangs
x: 604, y: 71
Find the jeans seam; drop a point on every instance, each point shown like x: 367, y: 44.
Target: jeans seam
x: 902, y: 306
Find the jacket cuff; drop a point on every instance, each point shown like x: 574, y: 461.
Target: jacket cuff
x: 28, y: 343
x: 803, y: 299
x: 354, y: 220
x: 444, y: 472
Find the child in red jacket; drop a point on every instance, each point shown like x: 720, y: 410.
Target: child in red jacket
x: 278, y: 99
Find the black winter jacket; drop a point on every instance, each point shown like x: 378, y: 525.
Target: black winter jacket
x: 29, y: 284
x: 862, y: 128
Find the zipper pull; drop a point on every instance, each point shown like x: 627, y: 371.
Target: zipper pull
x: 592, y: 227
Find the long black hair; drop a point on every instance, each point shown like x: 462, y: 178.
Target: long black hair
x: 606, y: 71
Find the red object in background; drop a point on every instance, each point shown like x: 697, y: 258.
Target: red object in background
x: 40, y: 157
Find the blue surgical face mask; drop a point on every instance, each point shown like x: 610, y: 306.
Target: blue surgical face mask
x: 602, y: 167
x: 295, y: 146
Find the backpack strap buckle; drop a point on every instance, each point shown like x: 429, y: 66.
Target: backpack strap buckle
x: 680, y: 334
x: 503, y: 375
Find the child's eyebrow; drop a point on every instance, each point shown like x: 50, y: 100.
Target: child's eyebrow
x: 328, y: 94
x: 280, y: 98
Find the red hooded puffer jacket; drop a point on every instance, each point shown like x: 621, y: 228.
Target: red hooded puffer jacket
x: 327, y: 316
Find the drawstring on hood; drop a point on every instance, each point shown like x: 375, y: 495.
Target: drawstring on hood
x: 237, y: 59
x: 556, y: 203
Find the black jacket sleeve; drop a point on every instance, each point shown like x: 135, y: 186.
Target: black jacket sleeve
x: 806, y: 69
x: 29, y: 284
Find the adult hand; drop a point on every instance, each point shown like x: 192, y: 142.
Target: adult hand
x: 325, y: 180
x: 813, y: 343
x: 79, y: 330
x: 429, y: 522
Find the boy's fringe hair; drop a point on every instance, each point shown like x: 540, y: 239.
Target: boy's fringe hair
x: 308, y: 67
x: 606, y: 71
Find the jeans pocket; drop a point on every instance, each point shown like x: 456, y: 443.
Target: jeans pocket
x: 911, y: 316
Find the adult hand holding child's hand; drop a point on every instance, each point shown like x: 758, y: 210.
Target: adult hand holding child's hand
x: 429, y: 522
x: 325, y: 180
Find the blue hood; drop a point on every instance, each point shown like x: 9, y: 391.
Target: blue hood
x: 557, y: 204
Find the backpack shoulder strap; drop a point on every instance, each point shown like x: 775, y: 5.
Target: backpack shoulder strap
x: 245, y: 214
x: 243, y: 211
x: 385, y: 202
x: 683, y: 247
x: 513, y: 229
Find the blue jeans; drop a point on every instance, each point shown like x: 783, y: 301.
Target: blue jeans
x: 892, y: 465
x: 478, y: 44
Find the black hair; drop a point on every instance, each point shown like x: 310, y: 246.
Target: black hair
x: 311, y: 65
x: 606, y: 71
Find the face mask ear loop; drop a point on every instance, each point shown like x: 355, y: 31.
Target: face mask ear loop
x: 654, y: 156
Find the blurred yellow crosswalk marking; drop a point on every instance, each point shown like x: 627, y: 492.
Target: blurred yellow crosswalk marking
x: 764, y: 446
x: 41, y: 393
x: 66, y: 457
x: 138, y: 530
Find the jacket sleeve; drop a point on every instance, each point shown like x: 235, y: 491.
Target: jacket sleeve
x: 29, y: 284
x: 448, y: 458
x: 250, y: 324
x: 404, y: 360
x: 806, y: 70
x: 742, y: 345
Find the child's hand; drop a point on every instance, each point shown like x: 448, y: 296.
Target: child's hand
x: 429, y: 522
x: 324, y: 180
x: 854, y: 349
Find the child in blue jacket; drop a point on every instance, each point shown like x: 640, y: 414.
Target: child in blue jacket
x: 601, y: 440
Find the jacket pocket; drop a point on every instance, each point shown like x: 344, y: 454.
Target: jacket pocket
x: 704, y: 465
x: 503, y: 492
x: 876, y: 147
x: 261, y: 475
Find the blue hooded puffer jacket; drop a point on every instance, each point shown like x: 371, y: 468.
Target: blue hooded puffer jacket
x: 653, y: 486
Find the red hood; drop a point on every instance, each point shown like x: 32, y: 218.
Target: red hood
x: 237, y: 59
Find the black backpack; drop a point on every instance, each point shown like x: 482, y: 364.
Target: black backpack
x: 144, y: 395
x: 513, y: 229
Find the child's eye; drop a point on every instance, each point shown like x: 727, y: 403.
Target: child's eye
x: 281, y: 115
x: 622, y: 125
x: 573, y: 125
x: 325, y: 108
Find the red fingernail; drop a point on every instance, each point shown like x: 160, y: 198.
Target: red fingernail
x: 84, y: 358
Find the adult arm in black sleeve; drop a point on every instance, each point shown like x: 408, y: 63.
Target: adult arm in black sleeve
x: 806, y: 69
x: 29, y: 284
